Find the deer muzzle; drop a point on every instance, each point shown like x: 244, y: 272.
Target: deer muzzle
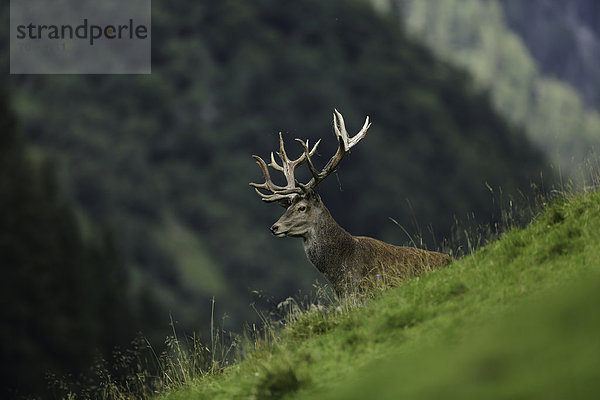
x: 276, y: 230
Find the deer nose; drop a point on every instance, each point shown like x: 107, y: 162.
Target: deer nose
x: 274, y: 229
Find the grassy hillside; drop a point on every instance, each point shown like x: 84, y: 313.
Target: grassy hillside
x: 550, y: 349
x: 517, y: 318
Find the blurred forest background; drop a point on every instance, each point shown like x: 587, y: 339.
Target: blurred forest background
x: 125, y: 199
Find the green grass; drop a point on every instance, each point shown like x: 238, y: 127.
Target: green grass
x: 513, y: 319
x: 548, y: 349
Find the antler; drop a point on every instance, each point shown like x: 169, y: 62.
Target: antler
x: 345, y: 144
x: 287, y: 167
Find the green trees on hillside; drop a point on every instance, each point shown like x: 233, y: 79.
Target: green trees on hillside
x: 63, y: 297
x: 564, y: 39
x: 473, y: 34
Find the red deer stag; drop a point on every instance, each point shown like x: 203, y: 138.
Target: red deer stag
x: 352, y: 264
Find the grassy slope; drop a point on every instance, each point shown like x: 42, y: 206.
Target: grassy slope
x: 470, y: 329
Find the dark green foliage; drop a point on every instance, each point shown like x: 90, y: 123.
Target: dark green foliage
x: 278, y: 382
x: 403, y: 318
x: 454, y: 289
x: 64, y: 298
x: 556, y: 213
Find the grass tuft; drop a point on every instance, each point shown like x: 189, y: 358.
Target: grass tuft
x: 276, y: 381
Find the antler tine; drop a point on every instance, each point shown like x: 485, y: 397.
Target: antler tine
x: 308, y: 154
x: 269, y: 198
x: 345, y: 143
x: 339, y: 127
x: 268, y: 185
x: 274, y: 164
x: 287, y: 167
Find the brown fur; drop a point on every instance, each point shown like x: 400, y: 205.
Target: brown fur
x: 351, y: 263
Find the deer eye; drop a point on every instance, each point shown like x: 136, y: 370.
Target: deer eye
x: 302, y: 208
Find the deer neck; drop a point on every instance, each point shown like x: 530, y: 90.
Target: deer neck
x: 327, y: 246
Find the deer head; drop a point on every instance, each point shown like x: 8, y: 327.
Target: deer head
x: 303, y: 204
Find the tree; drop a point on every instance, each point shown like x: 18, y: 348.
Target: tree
x: 63, y: 297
